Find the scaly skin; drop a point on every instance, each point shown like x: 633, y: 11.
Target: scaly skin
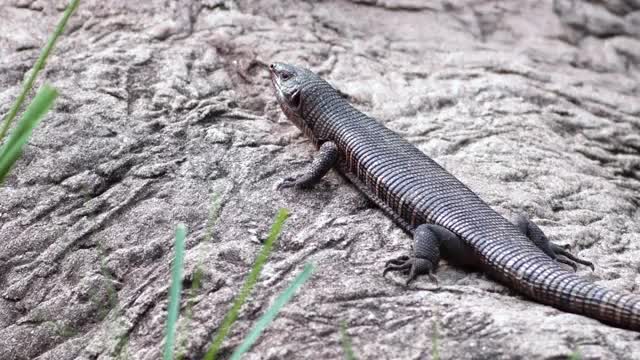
x: 414, y: 190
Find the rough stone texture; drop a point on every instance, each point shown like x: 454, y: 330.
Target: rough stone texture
x: 165, y: 103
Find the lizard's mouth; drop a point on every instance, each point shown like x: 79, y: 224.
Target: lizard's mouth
x: 290, y: 103
x: 275, y: 80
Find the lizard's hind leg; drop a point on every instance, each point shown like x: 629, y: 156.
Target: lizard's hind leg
x: 537, y: 236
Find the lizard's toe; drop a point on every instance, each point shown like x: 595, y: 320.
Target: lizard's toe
x: 558, y: 250
x: 567, y: 262
x: 411, y: 266
x: 404, y: 268
x: 286, y: 183
x: 421, y: 267
x: 397, y: 261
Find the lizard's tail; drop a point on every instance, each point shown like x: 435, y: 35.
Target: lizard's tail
x: 549, y: 283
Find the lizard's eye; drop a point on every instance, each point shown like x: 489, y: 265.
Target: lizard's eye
x: 285, y: 76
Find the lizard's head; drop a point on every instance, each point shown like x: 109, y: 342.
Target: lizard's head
x: 289, y: 81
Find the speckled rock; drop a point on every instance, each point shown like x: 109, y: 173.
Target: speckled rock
x: 166, y: 109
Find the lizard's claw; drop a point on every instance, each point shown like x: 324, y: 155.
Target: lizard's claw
x: 287, y: 183
x: 535, y: 234
x: 404, y: 268
x: 397, y: 261
x: 570, y: 263
x: 411, y: 266
x: 558, y: 250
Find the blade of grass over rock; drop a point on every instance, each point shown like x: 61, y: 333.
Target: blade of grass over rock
x: 272, y: 312
x: 346, y: 342
x: 39, y: 65
x: 251, y: 280
x: 575, y: 355
x: 174, y: 292
x: 12, y: 149
x: 196, y: 282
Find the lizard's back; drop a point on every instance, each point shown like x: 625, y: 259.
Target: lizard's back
x: 417, y: 190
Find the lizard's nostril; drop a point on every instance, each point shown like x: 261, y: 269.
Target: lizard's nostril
x: 272, y: 66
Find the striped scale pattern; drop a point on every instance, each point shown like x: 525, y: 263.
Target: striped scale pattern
x: 413, y: 189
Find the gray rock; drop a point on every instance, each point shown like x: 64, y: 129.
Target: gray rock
x: 165, y: 106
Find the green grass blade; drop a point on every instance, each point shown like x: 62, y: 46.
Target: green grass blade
x: 346, y: 342
x: 39, y: 65
x: 575, y: 355
x: 198, y: 273
x: 174, y: 292
x: 11, y: 151
x: 272, y: 312
x: 36, y: 109
x: 251, y: 280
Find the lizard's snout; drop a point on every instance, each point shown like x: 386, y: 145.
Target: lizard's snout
x: 273, y: 67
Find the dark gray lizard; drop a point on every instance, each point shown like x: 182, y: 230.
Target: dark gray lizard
x: 442, y: 214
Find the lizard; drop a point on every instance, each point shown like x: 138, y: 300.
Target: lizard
x: 441, y: 213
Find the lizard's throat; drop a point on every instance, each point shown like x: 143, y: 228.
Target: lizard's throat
x: 299, y: 122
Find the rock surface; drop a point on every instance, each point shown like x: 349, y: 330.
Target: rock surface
x: 166, y: 110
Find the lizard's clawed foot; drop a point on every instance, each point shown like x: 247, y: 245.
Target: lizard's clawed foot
x: 287, y: 182
x: 537, y: 236
x: 558, y: 250
x: 410, y: 266
x: 397, y: 261
x: 426, y: 253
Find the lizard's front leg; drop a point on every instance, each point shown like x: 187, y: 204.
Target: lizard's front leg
x: 321, y: 164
